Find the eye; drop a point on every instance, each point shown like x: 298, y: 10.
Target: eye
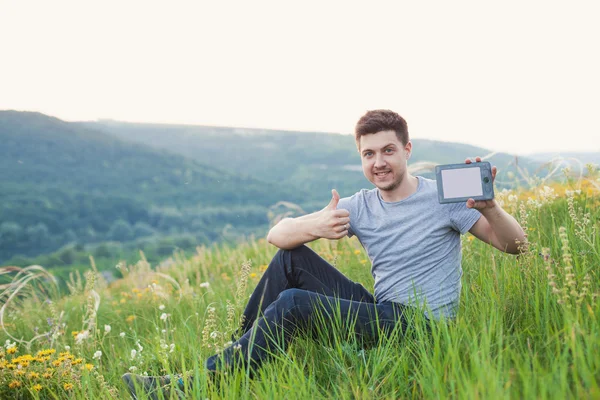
x: 368, y: 153
x: 388, y: 150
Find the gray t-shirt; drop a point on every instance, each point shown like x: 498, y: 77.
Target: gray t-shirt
x: 414, y: 245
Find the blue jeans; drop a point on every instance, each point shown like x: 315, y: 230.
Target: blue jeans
x: 298, y: 289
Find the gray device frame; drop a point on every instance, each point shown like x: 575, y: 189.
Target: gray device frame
x: 486, y: 172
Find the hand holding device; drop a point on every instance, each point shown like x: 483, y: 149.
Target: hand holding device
x: 470, y: 182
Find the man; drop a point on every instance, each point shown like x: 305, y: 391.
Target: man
x: 413, y: 242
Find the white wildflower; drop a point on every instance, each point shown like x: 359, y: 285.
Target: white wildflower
x: 164, y: 316
x: 172, y: 347
x: 107, y: 328
x: 132, y: 368
x: 237, y: 346
x: 122, y: 334
x: 133, y: 353
x: 97, y: 355
x: 81, y: 336
x: 161, y: 307
x: 214, y: 334
x: 67, y: 348
x: 204, y: 284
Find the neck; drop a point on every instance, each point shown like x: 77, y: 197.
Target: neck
x: 407, y: 186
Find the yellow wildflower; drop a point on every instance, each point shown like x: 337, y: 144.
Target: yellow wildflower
x: 77, y: 361
x: 46, y: 352
x: 357, y: 252
x: 130, y: 318
x: 37, y: 387
x: 33, y: 375
x: 12, y: 350
x: 225, y: 277
x: 57, y: 363
x: 253, y: 275
x: 47, y: 375
x: 89, y: 367
x: 122, y: 301
x: 68, y: 386
x: 14, y: 384
x: 135, y: 290
x: 19, y: 372
x: 263, y: 268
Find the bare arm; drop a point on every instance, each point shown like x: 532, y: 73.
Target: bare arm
x: 500, y: 229
x: 496, y: 226
x: 328, y: 223
x: 293, y: 232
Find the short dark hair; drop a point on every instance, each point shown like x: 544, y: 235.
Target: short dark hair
x: 382, y: 120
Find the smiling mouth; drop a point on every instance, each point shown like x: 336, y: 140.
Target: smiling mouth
x: 382, y: 174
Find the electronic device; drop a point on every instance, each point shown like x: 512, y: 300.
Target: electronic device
x: 460, y: 182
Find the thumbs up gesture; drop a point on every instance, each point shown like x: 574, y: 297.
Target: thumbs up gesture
x: 333, y: 223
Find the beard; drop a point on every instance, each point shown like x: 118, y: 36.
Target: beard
x: 392, y: 185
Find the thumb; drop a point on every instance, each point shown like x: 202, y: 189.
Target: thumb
x: 335, y: 199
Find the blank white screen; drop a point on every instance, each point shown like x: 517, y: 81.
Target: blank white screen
x: 461, y: 182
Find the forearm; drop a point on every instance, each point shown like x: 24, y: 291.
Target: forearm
x: 290, y: 233
x: 506, y: 229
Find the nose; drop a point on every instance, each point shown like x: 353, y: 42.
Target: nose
x: 379, y: 161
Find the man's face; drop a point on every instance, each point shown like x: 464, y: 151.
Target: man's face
x: 384, y: 159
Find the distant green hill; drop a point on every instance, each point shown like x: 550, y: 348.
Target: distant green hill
x: 314, y: 162
x: 62, y: 182
x: 95, y: 182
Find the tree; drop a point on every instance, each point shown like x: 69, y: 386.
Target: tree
x: 142, y: 229
x: 120, y: 231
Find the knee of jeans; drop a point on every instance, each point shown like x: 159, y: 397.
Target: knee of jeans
x: 296, y: 250
x: 290, y: 297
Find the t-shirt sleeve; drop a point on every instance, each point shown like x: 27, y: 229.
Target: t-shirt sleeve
x: 461, y: 217
x: 349, y: 203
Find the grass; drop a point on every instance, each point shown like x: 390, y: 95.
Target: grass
x: 527, y: 327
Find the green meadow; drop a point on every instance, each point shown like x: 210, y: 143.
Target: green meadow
x: 528, y: 326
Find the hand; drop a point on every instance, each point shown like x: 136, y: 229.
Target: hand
x: 333, y: 223
x: 482, y: 204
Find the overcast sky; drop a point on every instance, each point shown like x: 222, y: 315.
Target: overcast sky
x: 514, y: 76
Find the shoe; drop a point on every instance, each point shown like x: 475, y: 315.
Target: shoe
x: 152, y: 385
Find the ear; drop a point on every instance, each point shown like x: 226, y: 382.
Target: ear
x: 408, y: 149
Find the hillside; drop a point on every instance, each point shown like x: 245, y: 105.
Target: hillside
x: 63, y: 182
x: 312, y: 161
